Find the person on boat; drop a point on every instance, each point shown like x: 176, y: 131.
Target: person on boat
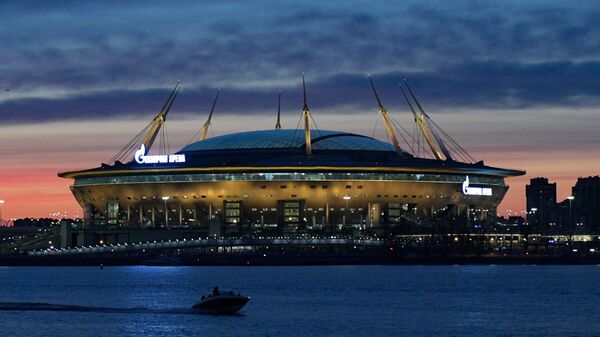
x: 216, y: 291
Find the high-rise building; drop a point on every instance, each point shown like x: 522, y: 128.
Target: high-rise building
x: 586, y: 205
x: 541, y: 204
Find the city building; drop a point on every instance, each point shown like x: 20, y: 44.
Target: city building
x: 541, y: 204
x: 586, y: 205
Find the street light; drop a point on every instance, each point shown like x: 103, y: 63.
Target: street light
x: 165, y: 198
x: 346, y: 197
x: 535, y: 222
x: 570, y: 198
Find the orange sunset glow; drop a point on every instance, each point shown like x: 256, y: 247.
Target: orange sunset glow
x: 35, y: 153
x: 73, y: 92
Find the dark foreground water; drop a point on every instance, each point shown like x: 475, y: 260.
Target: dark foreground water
x: 307, y: 301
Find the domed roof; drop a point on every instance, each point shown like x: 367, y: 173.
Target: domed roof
x: 290, y: 139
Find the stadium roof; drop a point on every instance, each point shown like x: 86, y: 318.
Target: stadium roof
x: 290, y: 139
x: 283, y: 150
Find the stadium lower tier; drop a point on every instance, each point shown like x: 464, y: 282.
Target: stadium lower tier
x: 285, y: 202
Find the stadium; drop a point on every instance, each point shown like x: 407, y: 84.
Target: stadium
x: 286, y: 182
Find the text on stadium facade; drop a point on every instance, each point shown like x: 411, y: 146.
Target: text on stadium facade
x: 468, y: 190
x: 142, y: 158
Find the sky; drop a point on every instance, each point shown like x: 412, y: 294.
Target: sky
x: 516, y: 83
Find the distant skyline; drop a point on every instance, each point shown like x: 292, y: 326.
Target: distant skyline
x: 517, y: 83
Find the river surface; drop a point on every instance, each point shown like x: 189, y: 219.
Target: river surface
x: 307, y: 301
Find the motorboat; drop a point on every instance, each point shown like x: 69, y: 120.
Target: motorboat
x: 221, y: 303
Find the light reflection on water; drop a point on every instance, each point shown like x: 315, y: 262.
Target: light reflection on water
x: 310, y: 301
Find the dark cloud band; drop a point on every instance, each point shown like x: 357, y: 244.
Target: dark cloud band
x: 489, y: 85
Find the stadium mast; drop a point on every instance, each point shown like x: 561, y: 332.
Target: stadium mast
x: 307, y: 117
x: 434, y: 131
x: 422, y: 123
x: 204, y: 130
x: 147, y: 136
x: 386, y: 119
x: 160, y: 119
x: 278, y: 125
x: 435, y: 135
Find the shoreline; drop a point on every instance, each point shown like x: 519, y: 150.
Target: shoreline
x: 316, y: 260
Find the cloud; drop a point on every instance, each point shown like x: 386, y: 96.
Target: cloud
x: 82, y: 60
x: 89, y: 46
x: 488, y: 85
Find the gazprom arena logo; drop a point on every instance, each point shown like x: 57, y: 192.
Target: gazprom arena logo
x: 141, y: 157
x: 468, y: 190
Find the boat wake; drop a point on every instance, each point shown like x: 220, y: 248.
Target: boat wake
x: 33, y: 306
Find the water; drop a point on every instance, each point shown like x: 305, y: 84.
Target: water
x: 309, y: 301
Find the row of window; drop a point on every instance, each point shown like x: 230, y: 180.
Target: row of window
x: 286, y: 176
x: 245, y: 196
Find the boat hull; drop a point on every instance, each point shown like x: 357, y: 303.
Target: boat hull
x: 221, y: 304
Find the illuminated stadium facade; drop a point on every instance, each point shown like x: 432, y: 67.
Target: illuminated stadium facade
x: 287, y: 182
